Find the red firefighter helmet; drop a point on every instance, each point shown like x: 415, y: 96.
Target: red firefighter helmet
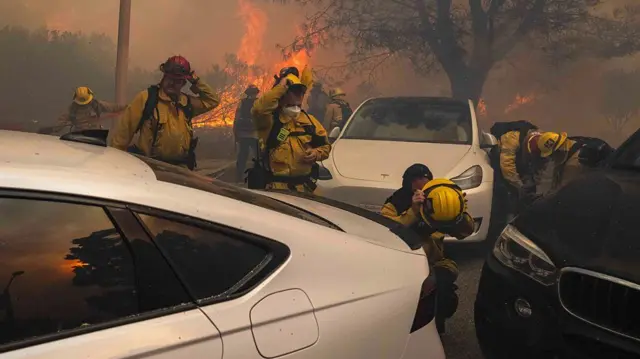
x: 176, y: 66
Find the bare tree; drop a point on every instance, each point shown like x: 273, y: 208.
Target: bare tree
x: 466, y: 38
x: 620, y: 93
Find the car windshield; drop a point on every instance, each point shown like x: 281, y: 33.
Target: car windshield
x: 183, y: 177
x: 628, y: 156
x: 411, y: 120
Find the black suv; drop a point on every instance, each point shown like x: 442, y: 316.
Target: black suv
x: 563, y: 280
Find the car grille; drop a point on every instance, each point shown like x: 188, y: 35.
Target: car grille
x: 601, y: 300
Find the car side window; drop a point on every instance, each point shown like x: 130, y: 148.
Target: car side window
x: 629, y: 155
x: 62, y: 266
x: 210, y: 263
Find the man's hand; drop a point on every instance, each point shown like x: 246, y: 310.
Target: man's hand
x: 417, y: 201
x: 193, y: 78
x: 284, y: 82
x: 310, y: 156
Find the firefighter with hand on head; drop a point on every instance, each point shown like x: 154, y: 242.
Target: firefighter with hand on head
x: 338, y: 110
x: 85, y: 111
x: 291, y: 140
x: 433, y: 208
x: 162, y: 115
x: 317, y: 102
x: 244, y: 131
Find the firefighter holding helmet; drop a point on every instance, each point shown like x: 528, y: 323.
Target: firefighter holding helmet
x: 433, y: 208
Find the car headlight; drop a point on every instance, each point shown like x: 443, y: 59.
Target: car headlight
x: 470, y: 178
x: 324, y: 173
x: 518, y: 252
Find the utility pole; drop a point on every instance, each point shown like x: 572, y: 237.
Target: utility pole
x: 122, y: 61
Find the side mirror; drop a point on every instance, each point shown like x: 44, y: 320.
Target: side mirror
x: 333, y: 135
x: 488, y: 141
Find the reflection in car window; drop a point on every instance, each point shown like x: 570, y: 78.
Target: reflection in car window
x: 186, y: 178
x: 210, y: 263
x: 411, y: 120
x: 62, y: 266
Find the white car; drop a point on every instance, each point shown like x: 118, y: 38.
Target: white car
x: 105, y: 254
x: 386, y: 135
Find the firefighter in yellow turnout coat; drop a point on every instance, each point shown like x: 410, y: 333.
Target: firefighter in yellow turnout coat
x: 433, y: 208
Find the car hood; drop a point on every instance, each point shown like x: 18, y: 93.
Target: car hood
x: 591, y: 223
x: 386, y: 161
x: 350, y: 223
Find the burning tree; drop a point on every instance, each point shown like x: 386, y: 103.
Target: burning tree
x: 466, y: 38
x: 620, y: 97
x: 230, y: 81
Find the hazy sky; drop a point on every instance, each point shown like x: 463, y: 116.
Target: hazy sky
x: 201, y: 30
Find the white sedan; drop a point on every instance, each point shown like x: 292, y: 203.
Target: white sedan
x: 386, y: 135
x: 104, y: 254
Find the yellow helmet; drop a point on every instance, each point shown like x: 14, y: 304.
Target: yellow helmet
x: 294, y: 82
x: 336, y: 92
x: 83, y: 95
x: 549, y: 142
x: 444, y: 202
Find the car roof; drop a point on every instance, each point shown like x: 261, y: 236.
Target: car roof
x: 42, y: 163
x: 410, y: 99
x: 30, y: 150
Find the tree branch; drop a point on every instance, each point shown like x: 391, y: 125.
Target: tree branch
x: 478, y: 17
x: 527, y: 24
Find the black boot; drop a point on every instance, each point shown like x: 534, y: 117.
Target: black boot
x: 440, y: 324
x: 446, y: 297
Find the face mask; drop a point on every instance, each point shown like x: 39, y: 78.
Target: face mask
x: 291, y: 111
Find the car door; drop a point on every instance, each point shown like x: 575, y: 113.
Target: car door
x: 79, y: 281
x: 221, y: 267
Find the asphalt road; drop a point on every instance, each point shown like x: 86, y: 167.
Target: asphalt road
x: 460, y: 339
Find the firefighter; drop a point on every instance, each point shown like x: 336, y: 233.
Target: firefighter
x: 317, y: 102
x: 433, y: 208
x: 162, y: 114
x: 244, y: 132
x: 291, y: 140
x: 519, y: 162
x: 573, y: 156
x: 85, y: 111
x: 338, y: 110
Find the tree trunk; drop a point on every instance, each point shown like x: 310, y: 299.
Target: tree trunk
x: 467, y: 83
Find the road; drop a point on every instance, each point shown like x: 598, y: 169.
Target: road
x: 460, y: 339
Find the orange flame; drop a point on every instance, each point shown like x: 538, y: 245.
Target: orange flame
x: 250, y: 51
x: 519, y: 101
x: 255, y: 21
x: 482, y: 108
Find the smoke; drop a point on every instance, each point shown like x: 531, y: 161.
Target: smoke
x: 202, y: 30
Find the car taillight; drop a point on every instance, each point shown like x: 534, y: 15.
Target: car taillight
x: 426, y: 304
